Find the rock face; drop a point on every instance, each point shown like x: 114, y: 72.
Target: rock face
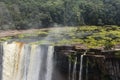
x: 1, y: 60
x: 94, y: 65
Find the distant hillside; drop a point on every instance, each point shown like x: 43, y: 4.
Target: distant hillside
x: 25, y: 14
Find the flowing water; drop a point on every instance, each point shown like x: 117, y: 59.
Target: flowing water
x: 27, y: 62
x: 81, y: 67
x: 49, y: 63
x: 74, y: 69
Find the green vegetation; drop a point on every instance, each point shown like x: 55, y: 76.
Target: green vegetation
x: 34, y: 34
x: 25, y: 14
x: 91, y: 37
x: 5, y: 39
x: 88, y: 36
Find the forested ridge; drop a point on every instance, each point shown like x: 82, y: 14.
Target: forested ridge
x: 25, y: 14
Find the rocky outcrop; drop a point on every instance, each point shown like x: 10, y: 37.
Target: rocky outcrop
x: 97, y: 64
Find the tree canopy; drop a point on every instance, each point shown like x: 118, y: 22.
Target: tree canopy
x: 24, y: 14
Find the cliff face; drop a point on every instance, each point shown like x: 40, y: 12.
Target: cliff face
x: 1, y: 59
x: 94, y: 65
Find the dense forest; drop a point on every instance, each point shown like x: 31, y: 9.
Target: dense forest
x: 25, y: 14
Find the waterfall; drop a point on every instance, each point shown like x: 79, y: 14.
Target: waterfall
x: 11, y: 58
x: 21, y: 61
x: 81, y: 65
x: 35, y: 63
x: 27, y: 62
x: 74, y: 69
x: 49, y: 63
